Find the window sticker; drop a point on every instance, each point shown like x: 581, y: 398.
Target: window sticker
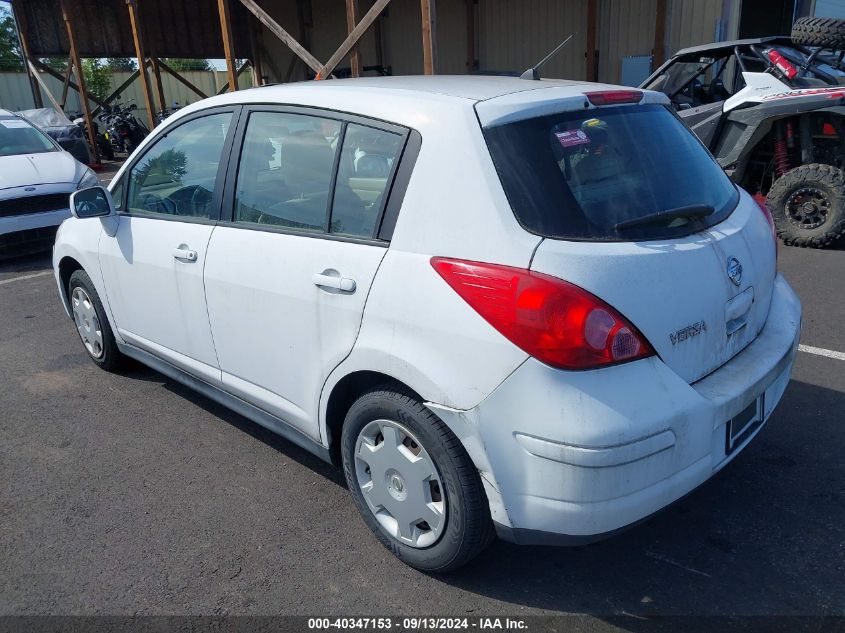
x: 13, y: 123
x: 573, y: 138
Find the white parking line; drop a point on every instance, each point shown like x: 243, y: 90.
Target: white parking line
x: 819, y: 351
x: 22, y: 277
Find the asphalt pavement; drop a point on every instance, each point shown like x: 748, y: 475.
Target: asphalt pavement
x: 127, y: 494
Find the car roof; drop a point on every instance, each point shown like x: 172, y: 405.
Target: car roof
x: 6, y: 113
x: 730, y: 44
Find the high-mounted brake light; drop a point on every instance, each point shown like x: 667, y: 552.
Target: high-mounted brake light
x: 554, y: 321
x: 614, y: 97
x: 781, y: 63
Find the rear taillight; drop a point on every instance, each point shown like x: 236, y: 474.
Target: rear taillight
x: 781, y: 63
x: 761, y: 202
x: 554, y: 321
x: 614, y: 97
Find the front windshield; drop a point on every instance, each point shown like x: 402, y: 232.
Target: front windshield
x: 19, y: 137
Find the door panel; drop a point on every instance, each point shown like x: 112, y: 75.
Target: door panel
x: 153, y: 265
x: 277, y: 333
x: 158, y: 299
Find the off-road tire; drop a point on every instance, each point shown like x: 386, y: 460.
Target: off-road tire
x: 824, y: 32
x: 469, y: 528
x: 827, y: 179
x: 111, y: 358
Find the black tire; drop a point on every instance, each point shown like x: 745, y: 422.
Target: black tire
x: 110, y: 357
x: 823, y: 182
x: 469, y: 528
x: 824, y: 32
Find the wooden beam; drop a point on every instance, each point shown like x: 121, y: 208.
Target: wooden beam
x: 55, y: 73
x: 283, y: 35
x: 255, y: 47
x: 352, y: 38
x: 351, y: 20
x: 66, y: 83
x: 34, y: 79
x: 228, y: 44
x: 182, y: 80
x: 429, y: 36
x: 162, y: 104
x: 137, y: 36
x: 658, y: 55
x: 239, y: 72
x: 43, y: 85
x: 80, y: 77
x: 116, y: 92
x: 591, y: 69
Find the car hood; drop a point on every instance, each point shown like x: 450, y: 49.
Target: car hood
x: 21, y: 170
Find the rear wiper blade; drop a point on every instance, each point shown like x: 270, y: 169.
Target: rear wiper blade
x: 691, y: 212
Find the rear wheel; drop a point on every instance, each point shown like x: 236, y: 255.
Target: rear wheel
x: 808, y: 205
x: 824, y: 32
x: 413, y: 482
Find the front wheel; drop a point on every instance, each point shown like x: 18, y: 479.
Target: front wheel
x: 91, y: 322
x: 808, y: 205
x: 414, y: 483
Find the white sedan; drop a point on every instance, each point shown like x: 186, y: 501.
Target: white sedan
x: 537, y: 309
x: 36, y: 179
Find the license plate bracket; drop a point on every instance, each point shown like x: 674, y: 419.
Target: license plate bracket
x: 744, y: 423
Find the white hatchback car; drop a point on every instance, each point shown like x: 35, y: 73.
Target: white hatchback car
x: 531, y: 308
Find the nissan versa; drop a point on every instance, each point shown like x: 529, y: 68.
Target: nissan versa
x: 536, y: 309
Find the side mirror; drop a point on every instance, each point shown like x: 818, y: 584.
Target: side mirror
x: 94, y: 202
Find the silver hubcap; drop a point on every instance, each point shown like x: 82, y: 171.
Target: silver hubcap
x: 87, y: 323
x: 400, y: 483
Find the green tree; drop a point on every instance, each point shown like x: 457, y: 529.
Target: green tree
x: 117, y: 64
x: 181, y: 64
x: 10, y: 54
x: 97, y: 77
x: 59, y: 64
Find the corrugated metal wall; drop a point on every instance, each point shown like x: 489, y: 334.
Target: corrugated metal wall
x: 626, y: 28
x: 15, y: 93
x: 514, y: 36
x: 693, y: 22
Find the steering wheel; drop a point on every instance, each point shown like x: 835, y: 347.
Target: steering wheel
x: 191, y: 200
x: 156, y: 204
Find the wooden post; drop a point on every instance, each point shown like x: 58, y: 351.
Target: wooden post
x: 257, y: 57
x: 352, y: 38
x: 83, y: 92
x: 351, y: 21
x: 658, y: 55
x: 592, y: 39
x: 66, y: 83
x: 228, y: 45
x: 429, y: 37
x: 20, y: 24
x: 470, y: 17
x: 159, y: 86
x: 43, y: 85
x: 273, y: 26
x: 142, y: 59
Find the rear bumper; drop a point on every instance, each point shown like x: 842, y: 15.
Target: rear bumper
x: 572, y: 457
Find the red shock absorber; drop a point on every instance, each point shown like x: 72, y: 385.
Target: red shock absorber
x: 781, y: 153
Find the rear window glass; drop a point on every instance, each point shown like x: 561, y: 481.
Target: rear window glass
x: 614, y: 173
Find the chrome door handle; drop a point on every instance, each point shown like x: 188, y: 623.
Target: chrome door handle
x: 344, y: 284
x: 185, y: 253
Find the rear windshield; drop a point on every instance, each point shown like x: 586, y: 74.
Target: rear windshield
x: 614, y: 173
x: 19, y: 137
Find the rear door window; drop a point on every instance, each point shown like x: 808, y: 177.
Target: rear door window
x: 614, y: 173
